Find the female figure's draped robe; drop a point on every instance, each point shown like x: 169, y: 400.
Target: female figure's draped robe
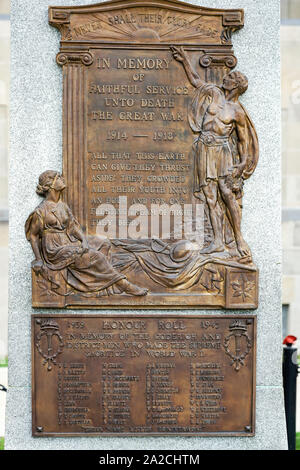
x: 61, y: 250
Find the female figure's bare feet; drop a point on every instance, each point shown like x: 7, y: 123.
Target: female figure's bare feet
x: 131, y: 289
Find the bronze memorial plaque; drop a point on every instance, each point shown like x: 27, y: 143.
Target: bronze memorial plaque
x: 143, y: 375
x: 156, y: 150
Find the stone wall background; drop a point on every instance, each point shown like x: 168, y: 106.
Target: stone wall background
x: 4, y: 114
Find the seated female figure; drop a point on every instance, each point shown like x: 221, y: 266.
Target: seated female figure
x: 59, y: 244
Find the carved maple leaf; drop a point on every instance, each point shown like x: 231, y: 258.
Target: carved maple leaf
x: 45, y: 291
x: 243, y: 287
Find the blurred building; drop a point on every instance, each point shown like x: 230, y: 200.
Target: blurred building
x: 290, y: 57
x: 4, y: 116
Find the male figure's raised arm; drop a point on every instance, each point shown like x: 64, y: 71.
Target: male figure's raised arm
x: 181, y: 56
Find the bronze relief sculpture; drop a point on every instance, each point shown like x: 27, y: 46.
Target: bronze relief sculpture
x: 153, y: 129
x: 146, y: 214
x: 226, y: 151
x: 61, y: 248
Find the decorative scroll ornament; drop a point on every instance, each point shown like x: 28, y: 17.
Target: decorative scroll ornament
x: 49, y: 329
x: 238, y: 332
x: 84, y: 58
x: 228, y: 60
x: 226, y: 35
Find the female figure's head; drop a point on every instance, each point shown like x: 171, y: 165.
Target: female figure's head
x: 50, y: 180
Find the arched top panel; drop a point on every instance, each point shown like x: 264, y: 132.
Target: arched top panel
x: 140, y: 22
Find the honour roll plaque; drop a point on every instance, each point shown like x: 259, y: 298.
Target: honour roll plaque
x: 143, y: 375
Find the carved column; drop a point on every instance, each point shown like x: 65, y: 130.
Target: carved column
x: 74, y: 128
x: 217, y: 65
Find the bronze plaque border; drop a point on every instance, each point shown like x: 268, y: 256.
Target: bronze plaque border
x: 36, y: 433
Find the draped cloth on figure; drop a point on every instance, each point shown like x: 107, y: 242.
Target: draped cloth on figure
x: 156, y: 259
x: 61, y: 251
x: 214, y: 156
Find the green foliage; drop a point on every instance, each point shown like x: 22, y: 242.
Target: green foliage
x: 1, y: 443
x: 3, y: 361
x: 298, y: 441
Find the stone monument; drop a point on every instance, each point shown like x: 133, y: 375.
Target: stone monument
x: 148, y: 114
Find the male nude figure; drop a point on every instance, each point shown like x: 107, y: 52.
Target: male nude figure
x: 215, y: 114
